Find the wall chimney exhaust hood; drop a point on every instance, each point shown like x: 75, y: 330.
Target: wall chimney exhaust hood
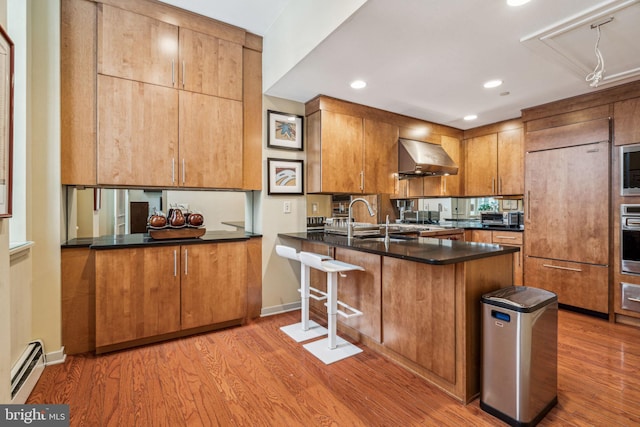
x: 416, y: 159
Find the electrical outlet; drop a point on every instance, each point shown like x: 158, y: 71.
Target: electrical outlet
x: 286, y: 207
x: 314, y: 207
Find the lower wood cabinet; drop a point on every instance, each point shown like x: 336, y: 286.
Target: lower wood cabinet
x: 147, y: 292
x: 576, y: 284
x: 419, y: 314
x: 504, y: 238
x: 137, y: 293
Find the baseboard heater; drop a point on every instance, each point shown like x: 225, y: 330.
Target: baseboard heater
x: 26, y: 372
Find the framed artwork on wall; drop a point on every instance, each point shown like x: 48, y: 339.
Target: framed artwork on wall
x: 285, y: 176
x: 284, y: 131
x: 6, y: 123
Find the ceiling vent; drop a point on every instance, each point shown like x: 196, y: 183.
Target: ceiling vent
x: 571, y: 42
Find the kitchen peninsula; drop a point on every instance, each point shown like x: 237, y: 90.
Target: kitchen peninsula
x: 420, y: 299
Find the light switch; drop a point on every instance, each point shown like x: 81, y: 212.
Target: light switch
x: 286, y: 207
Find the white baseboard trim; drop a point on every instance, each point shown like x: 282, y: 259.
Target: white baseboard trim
x: 278, y: 309
x: 56, y: 357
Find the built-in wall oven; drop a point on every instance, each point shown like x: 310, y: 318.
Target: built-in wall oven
x: 630, y: 169
x: 630, y: 238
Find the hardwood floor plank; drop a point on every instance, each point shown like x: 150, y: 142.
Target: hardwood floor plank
x: 255, y: 375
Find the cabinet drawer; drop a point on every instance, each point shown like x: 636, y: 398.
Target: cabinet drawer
x: 630, y: 299
x: 577, y: 284
x: 507, y: 237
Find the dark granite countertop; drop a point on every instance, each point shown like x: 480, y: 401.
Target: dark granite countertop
x: 423, y: 249
x: 143, y: 239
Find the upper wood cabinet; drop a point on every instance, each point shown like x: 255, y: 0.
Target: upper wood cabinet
x: 138, y: 133
x: 335, y: 153
x: 210, y: 153
x: 181, y: 91
x: 494, y: 164
x: 353, y: 148
x: 449, y: 185
x: 210, y: 65
x: 137, y: 47
x: 626, y: 122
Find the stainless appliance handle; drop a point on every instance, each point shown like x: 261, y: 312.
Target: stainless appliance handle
x: 632, y: 299
x: 562, y: 268
x: 631, y: 222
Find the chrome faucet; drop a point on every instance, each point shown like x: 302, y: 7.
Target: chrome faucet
x: 349, y: 225
x: 386, y: 231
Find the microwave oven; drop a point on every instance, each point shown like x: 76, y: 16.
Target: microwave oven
x: 630, y: 170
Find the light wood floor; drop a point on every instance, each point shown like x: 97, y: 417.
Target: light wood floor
x: 255, y: 375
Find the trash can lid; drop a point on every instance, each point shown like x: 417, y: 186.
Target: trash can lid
x: 520, y: 298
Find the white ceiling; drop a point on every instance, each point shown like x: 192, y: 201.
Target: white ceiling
x: 429, y: 58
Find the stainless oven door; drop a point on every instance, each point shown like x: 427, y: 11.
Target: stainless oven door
x: 630, y: 244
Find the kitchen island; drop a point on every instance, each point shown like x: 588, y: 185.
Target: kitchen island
x: 420, y: 299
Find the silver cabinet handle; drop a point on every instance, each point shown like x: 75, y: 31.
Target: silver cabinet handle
x: 562, y: 268
x: 183, y: 74
x: 183, y: 172
x: 633, y: 299
x: 506, y: 237
x: 444, y: 185
x: 361, y: 180
x: 173, y: 73
x: 175, y: 263
x: 186, y: 262
x: 529, y: 204
x: 493, y: 185
x: 500, y: 185
x: 173, y: 170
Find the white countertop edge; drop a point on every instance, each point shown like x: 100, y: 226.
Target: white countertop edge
x: 19, y: 247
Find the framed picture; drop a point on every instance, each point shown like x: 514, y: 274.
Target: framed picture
x: 6, y: 123
x: 284, y: 131
x: 285, y: 176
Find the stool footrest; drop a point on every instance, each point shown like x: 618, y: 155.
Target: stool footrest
x: 353, y: 312
x: 316, y: 294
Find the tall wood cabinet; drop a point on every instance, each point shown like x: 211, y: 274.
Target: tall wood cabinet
x: 567, y: 248
x: 494, y: 161
x: 174, y: 103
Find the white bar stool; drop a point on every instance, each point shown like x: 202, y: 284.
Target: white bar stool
x: 332, y: 348
x: 306, y: 329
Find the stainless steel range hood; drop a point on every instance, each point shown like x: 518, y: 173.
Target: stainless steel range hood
x: 416, y: 159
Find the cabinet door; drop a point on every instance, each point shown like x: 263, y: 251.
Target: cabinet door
x: 362, y: 290
x: 481, y: 236
x: 214, y: 283
x: 511, y: 162
x: 452, y: 185
x: 342, y: 153
x: 419, y: 316
x: 380, y: 156
x: 561, y: 230
x: 137, y: 133
x: 136, y: 47
x: 481, y: 165
x: 137, y: 293
x: 210, y: 141
x: 210, y: 65
x: 626, y: 121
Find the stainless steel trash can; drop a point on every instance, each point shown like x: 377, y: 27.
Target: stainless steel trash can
x: 519, y: 354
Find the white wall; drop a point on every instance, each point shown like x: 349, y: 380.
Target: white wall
x: 280, y: 277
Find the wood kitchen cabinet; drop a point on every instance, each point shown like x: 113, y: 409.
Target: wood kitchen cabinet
x: 434, y: 186
x: 505, y: 238
x: 210, y: 154
x: 494, y: 164
x: 150, y: 292
x: 210, y: 65
x: 626, y: 121
x: 213, y: 283
x: 137, y: 47
x: 565, y: 254
x: 137, y: 133
x: 420, y: 314
x: 380, y: 157
x: 145, y: 70
x: 137, y: 293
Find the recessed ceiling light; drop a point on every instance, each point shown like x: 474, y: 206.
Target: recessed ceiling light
x: 517, y: 2
x: 358, y: 84
x: 470, y: 117
x: 492, y: 83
